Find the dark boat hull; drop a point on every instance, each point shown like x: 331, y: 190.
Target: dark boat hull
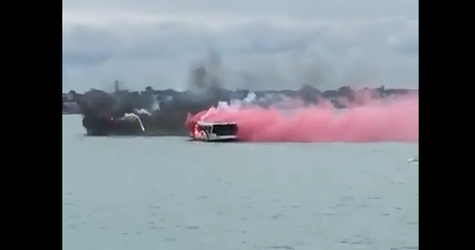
x: 100, y: 126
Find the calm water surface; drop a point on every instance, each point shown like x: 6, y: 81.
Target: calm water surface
x: 171, y: 194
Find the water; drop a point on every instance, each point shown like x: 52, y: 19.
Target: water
x: 168, y: 193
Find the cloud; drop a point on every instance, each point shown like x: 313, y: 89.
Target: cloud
x: 143, y: 47
x: 293, y: 9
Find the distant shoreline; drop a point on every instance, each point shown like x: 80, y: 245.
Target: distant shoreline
x: 72, y: 99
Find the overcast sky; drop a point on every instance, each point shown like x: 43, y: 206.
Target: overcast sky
x: 280, y: 43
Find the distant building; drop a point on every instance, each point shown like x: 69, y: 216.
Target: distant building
x: 70, y: 105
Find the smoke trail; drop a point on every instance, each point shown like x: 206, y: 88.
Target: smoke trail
x: 393, y: 120
x: 234, y: 106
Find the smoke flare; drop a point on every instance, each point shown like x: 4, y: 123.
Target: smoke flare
x: 388, y: 120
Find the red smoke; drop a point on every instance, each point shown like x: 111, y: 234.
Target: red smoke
x: 397, y: 120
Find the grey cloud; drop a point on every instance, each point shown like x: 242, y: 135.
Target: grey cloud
x: 273, y: 53
x: 93, y: 54
x: 302, y: 9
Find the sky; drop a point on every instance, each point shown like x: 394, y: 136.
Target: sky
x: 260, y: 44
